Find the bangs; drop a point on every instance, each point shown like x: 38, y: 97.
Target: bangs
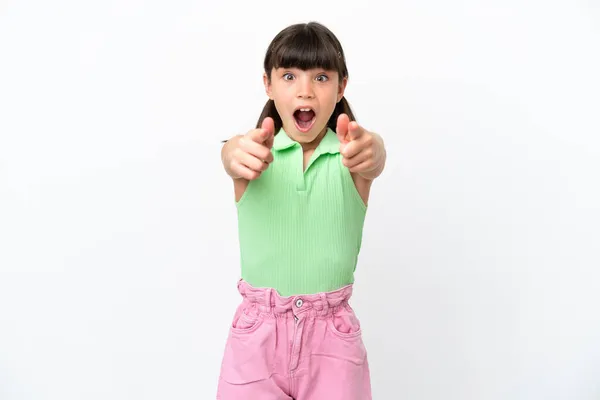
x: 306, y: 50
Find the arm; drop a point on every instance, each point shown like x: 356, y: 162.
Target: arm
x: 363, y: 154
x: 245, y: 157
x: 227, y: 155
x: 364, y: 180
x: 379, y: 158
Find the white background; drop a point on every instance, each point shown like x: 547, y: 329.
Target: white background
x: 479, y: 276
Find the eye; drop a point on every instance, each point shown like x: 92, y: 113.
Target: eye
x: 287, y: 75
x: 322, y: 78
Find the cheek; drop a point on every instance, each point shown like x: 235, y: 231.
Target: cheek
x: 283, y: 101
x: 332, y: 95
x: 330, y: 100
x: 279, y: 106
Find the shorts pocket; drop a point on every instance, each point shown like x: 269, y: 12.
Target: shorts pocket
x: 250, y: 349
x: 245, y: 323
x: 343, y: 340
x: 345, y: 324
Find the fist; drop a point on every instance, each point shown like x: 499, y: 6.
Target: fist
x: 251, y: 154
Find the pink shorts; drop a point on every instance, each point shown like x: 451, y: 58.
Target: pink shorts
x: 305, y: 347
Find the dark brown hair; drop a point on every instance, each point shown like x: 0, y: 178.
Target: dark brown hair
x: 306, y: 46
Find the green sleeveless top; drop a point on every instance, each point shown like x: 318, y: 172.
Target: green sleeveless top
x: 300, y: 232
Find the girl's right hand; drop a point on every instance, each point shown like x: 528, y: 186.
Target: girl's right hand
x: 247, y: 156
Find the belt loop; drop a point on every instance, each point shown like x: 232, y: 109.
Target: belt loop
x: 268, y: 299
x: 325, y: 302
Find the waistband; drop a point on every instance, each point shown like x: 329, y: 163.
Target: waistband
x: 270, y: 300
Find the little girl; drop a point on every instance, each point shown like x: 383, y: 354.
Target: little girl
x: 301, y: 182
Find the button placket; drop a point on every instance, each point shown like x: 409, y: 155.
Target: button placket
x: 297, y: 338
x: 298, y: 303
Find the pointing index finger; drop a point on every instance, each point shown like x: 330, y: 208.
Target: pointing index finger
x: 264, y: 134
x: 268, y: 126
x: 355, y: 131
x: 342, y: 128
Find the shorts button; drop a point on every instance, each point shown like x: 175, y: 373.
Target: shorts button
x: 299, y: 303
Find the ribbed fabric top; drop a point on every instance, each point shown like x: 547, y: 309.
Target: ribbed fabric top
x: 300, y: 232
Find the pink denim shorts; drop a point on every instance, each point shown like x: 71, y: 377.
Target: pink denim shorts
x: 306, y: 347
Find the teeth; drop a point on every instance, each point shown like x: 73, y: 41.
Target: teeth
x: 305, y: 109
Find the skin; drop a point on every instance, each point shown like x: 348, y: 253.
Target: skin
x: 245, y: 157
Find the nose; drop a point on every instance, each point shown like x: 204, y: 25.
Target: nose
x: 305, y: 88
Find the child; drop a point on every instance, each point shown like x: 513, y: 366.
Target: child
x: 301, y: 182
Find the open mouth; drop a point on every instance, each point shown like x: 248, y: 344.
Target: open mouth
x: 305, y: 118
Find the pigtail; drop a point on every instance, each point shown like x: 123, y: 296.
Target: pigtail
x: 269, y: 110
x: 342, y: 107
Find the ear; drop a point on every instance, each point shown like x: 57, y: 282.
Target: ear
x: 341, y: 89
x: 267, y: 84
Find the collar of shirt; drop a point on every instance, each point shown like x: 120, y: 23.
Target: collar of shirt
x: 329, y: 143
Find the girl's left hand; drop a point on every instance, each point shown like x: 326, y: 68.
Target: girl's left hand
x: 363, y: 152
